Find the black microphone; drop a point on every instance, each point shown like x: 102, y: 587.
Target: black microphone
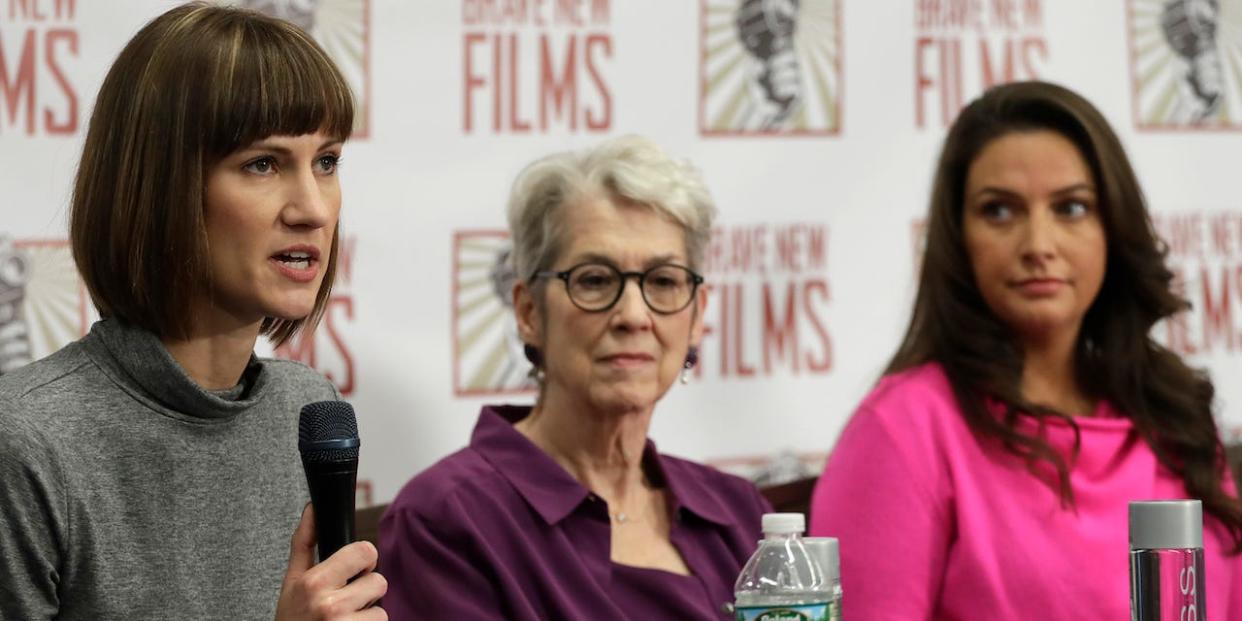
x: 328, y: 441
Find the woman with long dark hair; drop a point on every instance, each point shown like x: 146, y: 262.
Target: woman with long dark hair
x: 988, y: 474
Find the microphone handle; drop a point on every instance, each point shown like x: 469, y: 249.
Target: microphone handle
x: 332, y: 496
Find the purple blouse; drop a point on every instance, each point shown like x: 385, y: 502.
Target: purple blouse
x: 498, y: 530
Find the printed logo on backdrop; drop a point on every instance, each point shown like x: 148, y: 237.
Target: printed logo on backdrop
x: 487, y: 352
x: 535, y: 67
x: 43, y: 305
x: 1205, y: 254
x: 770, y: 67
x: 1185, y: 60
x: 38, y: 52
x: 767, y: 313
x: 768, y: 303
x: 343, y: 28
x: 963, y: 47
x: 329, y: 347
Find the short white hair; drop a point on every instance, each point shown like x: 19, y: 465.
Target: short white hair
x: 631, y: 168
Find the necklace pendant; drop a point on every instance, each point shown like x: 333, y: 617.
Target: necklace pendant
x: 621, y: 518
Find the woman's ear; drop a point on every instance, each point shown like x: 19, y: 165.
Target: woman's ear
x: 696, y: 321
x: 527, y: 314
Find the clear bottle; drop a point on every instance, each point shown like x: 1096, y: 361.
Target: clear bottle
x: 782, y: 581
x: 1166, y: 561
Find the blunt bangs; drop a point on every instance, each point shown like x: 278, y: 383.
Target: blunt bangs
x: 272, y: 82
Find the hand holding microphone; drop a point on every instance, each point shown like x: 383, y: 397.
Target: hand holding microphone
x: 344, y: 584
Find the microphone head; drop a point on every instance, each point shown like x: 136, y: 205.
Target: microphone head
x: 328, y: 432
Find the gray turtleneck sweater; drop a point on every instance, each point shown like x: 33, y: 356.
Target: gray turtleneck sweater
x: 128, y: 492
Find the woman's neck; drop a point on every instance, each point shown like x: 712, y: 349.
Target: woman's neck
x: 1050, y: 378
x: 603, y: 450
x: 216, y: 357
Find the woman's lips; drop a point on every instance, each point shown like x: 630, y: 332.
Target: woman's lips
x: 627, y: 360
x: 301, y: 270
x: 1039, y: 287
x: 299, y: 262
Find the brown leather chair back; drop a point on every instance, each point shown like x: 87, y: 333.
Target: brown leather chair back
x: 366, y: 521
x: 792, y: 497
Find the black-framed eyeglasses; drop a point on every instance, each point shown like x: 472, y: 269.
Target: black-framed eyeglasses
x: 596, y: 287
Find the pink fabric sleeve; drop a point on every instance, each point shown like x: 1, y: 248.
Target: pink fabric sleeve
x: 885, y: 497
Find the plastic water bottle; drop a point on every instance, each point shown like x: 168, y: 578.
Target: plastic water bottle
x: 1166, y: 561
x: 782, y: 581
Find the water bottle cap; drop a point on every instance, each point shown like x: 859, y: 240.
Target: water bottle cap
x: 1156, y: 524
x: 775, y: 523
x: 826, y: 551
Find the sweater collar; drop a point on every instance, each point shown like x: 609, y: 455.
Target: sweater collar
x: 139, y: 362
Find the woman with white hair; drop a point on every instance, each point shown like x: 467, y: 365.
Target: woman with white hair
x: 566, y: 510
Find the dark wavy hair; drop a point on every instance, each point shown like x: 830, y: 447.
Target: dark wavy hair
x: 1115, y: 357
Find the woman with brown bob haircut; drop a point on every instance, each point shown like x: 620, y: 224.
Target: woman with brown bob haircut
x: 988, y: 474
x: 150, y: 470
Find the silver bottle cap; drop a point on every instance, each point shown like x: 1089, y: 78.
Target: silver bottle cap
x: 1156, y: 524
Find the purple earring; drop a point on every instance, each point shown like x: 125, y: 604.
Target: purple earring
x: 692, y: 358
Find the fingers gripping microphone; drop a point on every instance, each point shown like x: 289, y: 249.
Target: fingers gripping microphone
x: 328, y: 441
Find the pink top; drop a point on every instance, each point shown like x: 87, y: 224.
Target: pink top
x: 935, y: 525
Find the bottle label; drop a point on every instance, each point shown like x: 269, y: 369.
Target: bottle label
x: 808, y: 612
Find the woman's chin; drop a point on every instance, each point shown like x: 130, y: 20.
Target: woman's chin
x: 291, y: 311
x: 623, y: 398
x: 1039, y: 328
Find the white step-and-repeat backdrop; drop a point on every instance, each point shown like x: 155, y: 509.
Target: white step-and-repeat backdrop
x: 821, y: 173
